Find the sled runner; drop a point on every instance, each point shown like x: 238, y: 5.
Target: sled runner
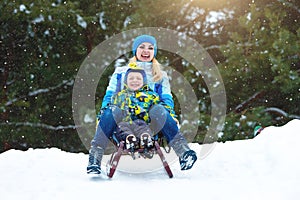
x: 147, y: 152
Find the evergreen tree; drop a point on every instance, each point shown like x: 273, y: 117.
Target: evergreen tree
x: 261, y: 71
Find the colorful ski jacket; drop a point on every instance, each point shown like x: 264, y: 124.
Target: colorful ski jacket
x: 116, y: 84
x: 136, y: 104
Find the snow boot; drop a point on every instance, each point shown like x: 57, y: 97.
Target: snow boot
x: 187, y: 157
x: 146, y: 141
x: 187, y: 160
x: 131, y: 142
x: 95, y: 157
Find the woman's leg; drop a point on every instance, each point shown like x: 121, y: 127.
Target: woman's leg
x: 107, y: 124
x: 161, y: 120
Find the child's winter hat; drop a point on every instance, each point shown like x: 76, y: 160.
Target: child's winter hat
x: 144, y: 38
x: 134, y: 68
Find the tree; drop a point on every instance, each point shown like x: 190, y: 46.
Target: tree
x: 42, y: 46
x: 261, y: 70
x: 43, y: 43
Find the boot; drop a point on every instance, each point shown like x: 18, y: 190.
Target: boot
x: 131, y: 142
x: 187, y: 160
x: 146, y: 141
x: 187, y: 157
x: 95, y: 157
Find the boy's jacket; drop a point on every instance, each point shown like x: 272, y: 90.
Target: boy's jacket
x: 136, y: 104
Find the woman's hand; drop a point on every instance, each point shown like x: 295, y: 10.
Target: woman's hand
x: 176, y: 120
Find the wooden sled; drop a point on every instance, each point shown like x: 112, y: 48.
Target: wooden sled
x: 112, y: 164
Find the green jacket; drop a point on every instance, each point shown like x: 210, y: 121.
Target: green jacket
x: 136, y: 104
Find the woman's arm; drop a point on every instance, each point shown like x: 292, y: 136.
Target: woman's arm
x: 115, y: 84
x: 166, y: 96
x: 163, y: 88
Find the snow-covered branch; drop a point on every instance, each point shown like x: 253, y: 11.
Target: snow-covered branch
x: 280, y: 112
x: 244, y: 104
x: 39, y: 125
x: 41, y: 91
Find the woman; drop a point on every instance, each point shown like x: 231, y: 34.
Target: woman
x: 144, y: 49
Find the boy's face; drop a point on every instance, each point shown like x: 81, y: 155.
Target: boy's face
x: 135, y: 80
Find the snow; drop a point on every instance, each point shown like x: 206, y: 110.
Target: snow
x: 266, y: 167
x: 22, y: 8
x: 81, y: 22
x: 39, y: 19
x: 101, y: 21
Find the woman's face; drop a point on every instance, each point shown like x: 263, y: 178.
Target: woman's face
x: 145, y: 52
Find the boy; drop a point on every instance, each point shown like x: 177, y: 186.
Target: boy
x: 135, y: 100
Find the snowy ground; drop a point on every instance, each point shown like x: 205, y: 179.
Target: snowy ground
x: 267, y: 167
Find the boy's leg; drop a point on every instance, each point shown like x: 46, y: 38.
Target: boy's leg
x: 144, y: 133
x: 140, y: 126
x: 123, y: 130
x: 125, y: 133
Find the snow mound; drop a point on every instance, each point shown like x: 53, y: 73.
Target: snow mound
x: 266, y: 167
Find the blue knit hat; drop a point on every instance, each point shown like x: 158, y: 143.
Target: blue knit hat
x: 136, y: 69
x: 144, y: 38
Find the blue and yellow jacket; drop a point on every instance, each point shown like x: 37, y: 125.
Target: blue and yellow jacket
x: 136, y: 104
x: 162, y: 88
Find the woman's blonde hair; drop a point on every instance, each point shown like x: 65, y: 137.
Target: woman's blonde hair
x: 156, y: 68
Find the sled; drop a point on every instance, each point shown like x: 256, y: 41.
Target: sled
x: 146, y: 153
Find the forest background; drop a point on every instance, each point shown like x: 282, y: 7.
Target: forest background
x: 255, y: 45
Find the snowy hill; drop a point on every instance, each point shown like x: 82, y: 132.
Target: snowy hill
x: 266, y: 167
